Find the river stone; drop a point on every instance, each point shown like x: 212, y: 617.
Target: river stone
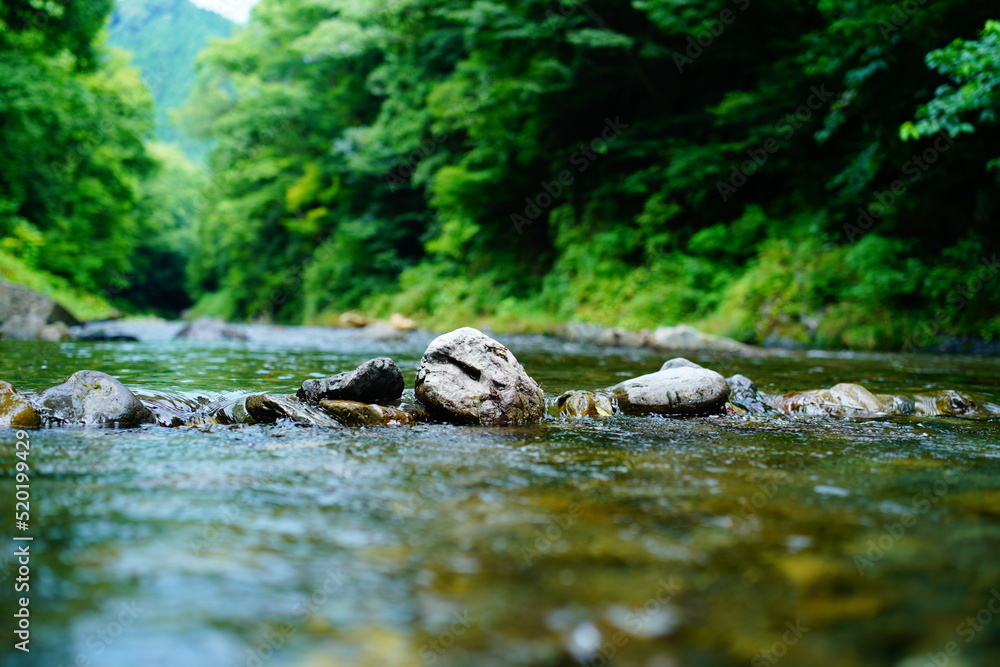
x: 744, y: 395
x: 841, y: 400
x: 375, y: 381
x: 26, y: 315
x: 675, y: 391
x: 206, y: 328
x: 268, y: 409
x: 678, y: 362
x: 466, y: 377
x: 353, y: 413
x: 15, y: 410
x: 585, y: 404
x: 948, y: 402
x: 683, y: 337
x: 92, y: 397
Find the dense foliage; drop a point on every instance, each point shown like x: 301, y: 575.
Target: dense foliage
x: 737, y: 163
x: 164, y: 37
x: 819, y: 172
x: 88, y: 213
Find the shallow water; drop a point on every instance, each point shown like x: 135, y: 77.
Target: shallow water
x: 630, y: 541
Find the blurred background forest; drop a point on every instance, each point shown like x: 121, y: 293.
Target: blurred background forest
x: 815, y: 172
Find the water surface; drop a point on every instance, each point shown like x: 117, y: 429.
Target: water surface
x: 629, y: 541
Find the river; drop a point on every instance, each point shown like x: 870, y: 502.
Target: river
x: 627, y: 541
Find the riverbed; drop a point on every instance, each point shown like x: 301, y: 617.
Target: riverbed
x: 625, y: 541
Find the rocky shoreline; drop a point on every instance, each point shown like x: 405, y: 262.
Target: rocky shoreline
x: 466, y: 378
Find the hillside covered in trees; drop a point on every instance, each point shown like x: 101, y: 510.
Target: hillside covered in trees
x: 165, y: 37
x: 819, y: 173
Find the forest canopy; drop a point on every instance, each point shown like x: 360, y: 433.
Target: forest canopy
x: 822, y: 173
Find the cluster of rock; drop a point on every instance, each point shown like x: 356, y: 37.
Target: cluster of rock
x: 464, y: 377
x: 683, y: 388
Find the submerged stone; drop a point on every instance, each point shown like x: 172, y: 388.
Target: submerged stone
x: 268, y: 409
x: 466, y: 377
x: 15, y: 410
x: 353, y: 413
x: 585, y: 404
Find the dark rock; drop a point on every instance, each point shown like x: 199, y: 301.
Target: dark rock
x: 268, y: 409
x: 679, y: 391
x: 93, y: 398
x: 466, y: 377
x: 15, y: 410
x: 207, y: 329
x: 353, y: 413
x: 26, y: 314
x: 375, y: 381
x: 744, y: 395
x: 585, y: 404
x: 103, y: 336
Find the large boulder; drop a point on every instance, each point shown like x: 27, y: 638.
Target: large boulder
x: 375, y: 381
x: 466, y: 377
x: 28, y: 315
x: 93, y: 398
x: 15, y: 410
x: 678, y: 390
x: 208, y: 329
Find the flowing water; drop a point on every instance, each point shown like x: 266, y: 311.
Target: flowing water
x: 628, y: 541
